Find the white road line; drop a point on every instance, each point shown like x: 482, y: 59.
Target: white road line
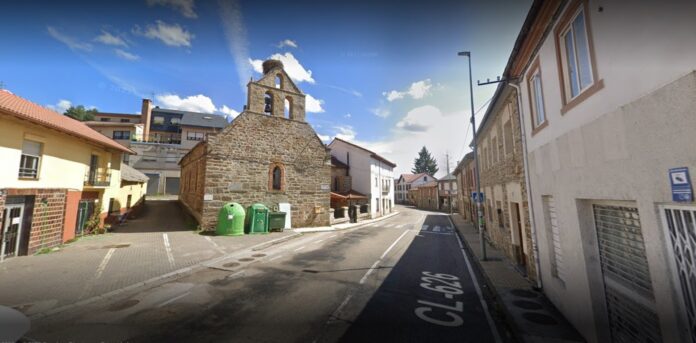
x: 167, y: 247
x: 237, y: 274
x: 392, y: 245
x: 300, y: 248
x: 275, y: 258
x: 217, y: 247
x: 173, y: 299
x: 103, y: 263
x: 340, y: 307
x: 332, y: 236
x: 369, y: 271
x: 318, y: 241
x: 438, y: 233
x: 494, y: 329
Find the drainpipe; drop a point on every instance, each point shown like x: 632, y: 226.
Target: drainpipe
x: 535, y: 246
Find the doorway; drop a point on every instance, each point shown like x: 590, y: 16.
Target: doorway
x: 520, y: 256
x: 13, y: 215
x: 85, y: 210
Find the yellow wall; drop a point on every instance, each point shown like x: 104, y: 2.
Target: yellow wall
x: 64, y: 160
x: 137, y: 192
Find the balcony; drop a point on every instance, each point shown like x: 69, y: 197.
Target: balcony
x: 95, y: 178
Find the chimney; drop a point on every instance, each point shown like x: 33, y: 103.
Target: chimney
x: 145, y: 116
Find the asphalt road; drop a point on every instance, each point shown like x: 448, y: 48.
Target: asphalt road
x: 403, y: 279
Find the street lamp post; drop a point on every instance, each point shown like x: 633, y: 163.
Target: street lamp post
x: 478, y: 199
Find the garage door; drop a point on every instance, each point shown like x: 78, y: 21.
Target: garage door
x: 627, y: 284
x: 152, y: 184
x: 172, y: 185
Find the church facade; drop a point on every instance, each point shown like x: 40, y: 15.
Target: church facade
x: 269, y: 154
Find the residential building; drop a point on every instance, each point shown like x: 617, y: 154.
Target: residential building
x: 266, y: 155
x: 133, y: 188
x: 160, y: 137
x: 464, y: 173
x: 425, y: 196
x: 342, y: 193
x: 607, y: 101
x: 56, y: 171
x: 371, y: 174
x: 447, y: 193
x: 406, y: 182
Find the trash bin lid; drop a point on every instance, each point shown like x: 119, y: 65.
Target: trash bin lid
x: 259, y: 206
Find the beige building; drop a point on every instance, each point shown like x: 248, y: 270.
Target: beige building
x: 57, y: 173
x: 266, y: 155
x: 464, y: 173
x: 608, y: 92
x: 425, y: 196
x: 160, y: 137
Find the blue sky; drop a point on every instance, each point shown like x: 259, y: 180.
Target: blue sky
x: 384, y: 74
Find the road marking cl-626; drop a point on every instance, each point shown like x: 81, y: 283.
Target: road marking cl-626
x: 449, y: 286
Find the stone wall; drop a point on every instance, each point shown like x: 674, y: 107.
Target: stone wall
x: 502, y: 172
x: 237, y: 162
x: 192, y: 182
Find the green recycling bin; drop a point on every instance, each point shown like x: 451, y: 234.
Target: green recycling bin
x: 257, y: 219
x: 276, y: 221
x: 231, y: 220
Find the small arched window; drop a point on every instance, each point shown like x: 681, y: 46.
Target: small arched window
x: 277, y: 174
x: 268, y: 103
x: 278, y: 81
x: 288, y: 107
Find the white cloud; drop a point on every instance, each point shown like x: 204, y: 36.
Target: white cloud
x: 110, y: 39
x: 288, y: 42
x: 185, y: 7
x: 291, y: 65
x: 381, y: 112
x: 126, y: 55
x: 193, y: 103
x: 417, y: 90
x: 235, y: 33
x: 419, y: 119
x: 313, y: 105
x: 348, y: 115
x: 345, y: 132
x: 172, y: 35
x: 61, y: 106
x: 324, y: 138
x: 71, y: 42
x: 229, y: 113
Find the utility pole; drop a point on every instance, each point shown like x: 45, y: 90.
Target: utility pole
x: 478, y: 199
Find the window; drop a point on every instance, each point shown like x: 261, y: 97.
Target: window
x: 171, y: 158
x: 288, y: 107
x: 158, y: 120
x: 507, y: 131
x: 31, y: 157
x: 494, y: 154
x: 576, y: 56
x: 194, y: 136
x: 536, y: 98
x: 425, y: 178
x: 121, y: 135
x: 104, y: 119
x: 276, y: 177
x: 176, y: 121
x: 268, y: 101
x: 125, y: 120
x: 126, y: 158
x: 278, y: 81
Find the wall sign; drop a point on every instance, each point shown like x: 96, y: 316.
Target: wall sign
x: 474, y: 197
x: 207, y: 197
x: 681, y: 185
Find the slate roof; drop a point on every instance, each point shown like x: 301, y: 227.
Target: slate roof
x: 337, y: 163
x: 24, y: 109
x: 196, y: 119
x: 128, y: 173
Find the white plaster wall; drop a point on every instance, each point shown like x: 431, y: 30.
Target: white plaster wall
x: 616, y: 145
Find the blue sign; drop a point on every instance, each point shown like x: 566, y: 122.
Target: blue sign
x: 475, y: 198
x: 681, y: 185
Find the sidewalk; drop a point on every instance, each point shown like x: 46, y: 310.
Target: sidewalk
x: 344, y: 226
x: 532, y: 317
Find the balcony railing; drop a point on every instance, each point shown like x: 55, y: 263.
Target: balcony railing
x: 97, y: 179
x: 158, y: 138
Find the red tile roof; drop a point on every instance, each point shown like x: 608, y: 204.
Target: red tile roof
x: 24, y: 109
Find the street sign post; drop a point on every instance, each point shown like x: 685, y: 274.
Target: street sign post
x: 681, y: 185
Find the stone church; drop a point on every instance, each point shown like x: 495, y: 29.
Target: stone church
x: 269, y: 154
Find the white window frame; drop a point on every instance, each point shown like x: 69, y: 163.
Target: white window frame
x: 36, y: 165
x: 536, y: 89
x: 567, y: 79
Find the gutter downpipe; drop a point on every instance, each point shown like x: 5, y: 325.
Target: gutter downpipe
x: 535, y: 246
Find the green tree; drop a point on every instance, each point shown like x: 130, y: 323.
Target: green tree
x: 424, y: 163
x: 80, y: 113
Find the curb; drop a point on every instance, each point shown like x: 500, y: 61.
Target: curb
x: 175, y: 274
x: 357, y: 225
x: 510, y: 321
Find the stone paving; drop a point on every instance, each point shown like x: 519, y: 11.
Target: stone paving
x: 532, y: 317
x: 156, y: 244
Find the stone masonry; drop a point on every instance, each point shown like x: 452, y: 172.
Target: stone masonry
x: 502, y: 174
x: 237, y: 164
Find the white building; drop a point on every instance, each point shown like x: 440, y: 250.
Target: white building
x: 371, y: 174
x: 608, y: 99
x: 407, y: 181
